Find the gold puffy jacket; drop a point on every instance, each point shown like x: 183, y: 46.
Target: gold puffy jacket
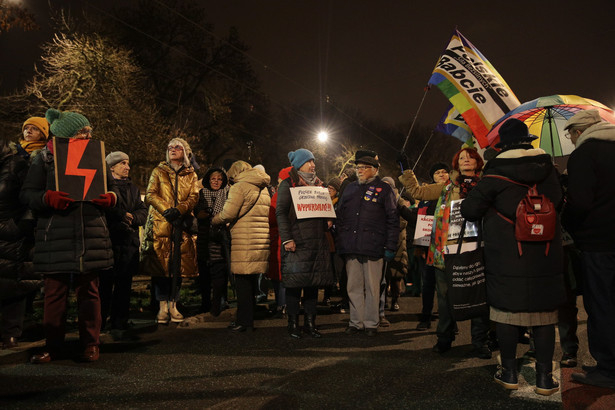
x: 247, y: 210
x: 160, y: 196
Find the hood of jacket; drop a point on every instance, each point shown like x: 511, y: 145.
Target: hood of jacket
x: 602, y: 131
x: 208, y: 175
x: 252, y: 176
x: 528, y: 166
x: 170, y: 170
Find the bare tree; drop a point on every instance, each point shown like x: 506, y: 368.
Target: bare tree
x: 13, y: 15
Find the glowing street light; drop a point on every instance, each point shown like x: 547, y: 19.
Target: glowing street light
x: 323, y: 136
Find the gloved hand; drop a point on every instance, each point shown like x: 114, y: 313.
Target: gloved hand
x: 171, y: 214
x: 106, y: 200
x: 389, y: 255
x: 403, y: 161
x: 57, y: 199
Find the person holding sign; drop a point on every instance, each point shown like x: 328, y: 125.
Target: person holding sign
x: 524, y: 288
x: 305, y: 252
x: 367, y: 233
x: 467, y: 165
x: 72, y: 239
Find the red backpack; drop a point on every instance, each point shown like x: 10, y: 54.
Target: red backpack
x: 536, y: 218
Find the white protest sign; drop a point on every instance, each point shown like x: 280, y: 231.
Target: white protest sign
x: 456, y: 221
x: 424, y: 224
x: 312, y: 202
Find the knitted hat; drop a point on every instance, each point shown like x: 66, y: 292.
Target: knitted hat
x: 583, y: 118
x: 514, y: 132
x: 284, y: 173
x: 367, y: 157
x: 436, y: 167
x: 40, y: 123
x: 300, y: 157
x: 336, y: 183
x: 65, y: 123
x: 116, y: 157
x: 187, y: 150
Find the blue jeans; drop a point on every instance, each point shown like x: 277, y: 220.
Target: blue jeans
x: 599, y: 301
x: 162, y: 288
x: 446, y: 324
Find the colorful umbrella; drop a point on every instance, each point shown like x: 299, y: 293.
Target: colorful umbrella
x: 546, y: 116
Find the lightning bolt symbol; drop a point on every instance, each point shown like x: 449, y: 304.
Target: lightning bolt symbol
x: 76, y: 148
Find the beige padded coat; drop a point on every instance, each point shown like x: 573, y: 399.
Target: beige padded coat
x: 160, y: 196
x: 247, y: 211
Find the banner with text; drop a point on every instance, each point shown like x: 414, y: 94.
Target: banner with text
x: 312, y: 202
x: 473, y: 86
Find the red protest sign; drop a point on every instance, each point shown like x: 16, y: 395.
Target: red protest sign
x: 80, y: 168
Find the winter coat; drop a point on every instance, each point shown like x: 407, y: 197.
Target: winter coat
x: 398, y: 267
x: 310, y: 264
x: 125, y: 236
x: 212, y: 241
x: 275, y: 262
x: 168, y: 188
x: 588, y: 214
x: 16, y: 275
x: 533, y: 281
x: 75, y: 240
x: 367, y: 219
x: 247, y: 210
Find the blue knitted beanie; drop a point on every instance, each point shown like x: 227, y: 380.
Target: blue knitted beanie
x: 300, y: 157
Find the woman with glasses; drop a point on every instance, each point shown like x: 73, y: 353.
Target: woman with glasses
x: 467, y: 166
x: 168, y: 251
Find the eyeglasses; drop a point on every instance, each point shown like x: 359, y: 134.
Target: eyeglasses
x: 363, y: 167
x: 569, y: 133
x: 175, y: 148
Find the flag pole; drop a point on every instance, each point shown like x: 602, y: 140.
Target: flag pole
x: 427, y: 88
x: 421, y: 154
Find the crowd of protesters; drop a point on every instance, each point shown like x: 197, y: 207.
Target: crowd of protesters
x: 247, y: 230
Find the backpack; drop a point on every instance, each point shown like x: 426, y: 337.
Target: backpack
x: 536, y: 218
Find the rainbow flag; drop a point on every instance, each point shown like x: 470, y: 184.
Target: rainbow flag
x: 473, y: 86
x: 452, y: 123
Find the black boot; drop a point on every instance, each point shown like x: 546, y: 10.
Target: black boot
x: 309, y: 326
x: 546, y: 384
x: 293, y: 326
x: 507, y: 374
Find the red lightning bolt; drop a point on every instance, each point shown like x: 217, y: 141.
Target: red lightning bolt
x: 75, y: 153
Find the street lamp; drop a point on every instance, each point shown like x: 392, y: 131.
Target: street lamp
x: 323, y: 136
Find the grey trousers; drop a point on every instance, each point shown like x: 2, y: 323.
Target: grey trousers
x: 364, y: 277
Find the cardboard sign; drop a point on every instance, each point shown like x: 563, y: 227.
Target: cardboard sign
x: 424, y: 225
x: 312, y: 202
x: 80, y: 168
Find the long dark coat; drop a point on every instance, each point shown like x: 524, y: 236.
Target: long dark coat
x: 532, y: 282
x: 310, y: 264
x: 75, y: 240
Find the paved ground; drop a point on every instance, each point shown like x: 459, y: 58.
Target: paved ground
x: 203, y: 365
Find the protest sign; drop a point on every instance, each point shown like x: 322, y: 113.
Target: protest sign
x: 80, y: 168
x: 312, y: 202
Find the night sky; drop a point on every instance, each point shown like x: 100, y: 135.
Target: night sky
x: 378, y: 55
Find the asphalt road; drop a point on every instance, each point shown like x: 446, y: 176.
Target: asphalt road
x: 202, y: 364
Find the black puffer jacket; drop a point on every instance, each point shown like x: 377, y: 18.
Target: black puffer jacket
x: 124, y: 236
x: 310, y: 264
x: 532, y: 282
x: 75, y: 240
x: 16, y: 277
